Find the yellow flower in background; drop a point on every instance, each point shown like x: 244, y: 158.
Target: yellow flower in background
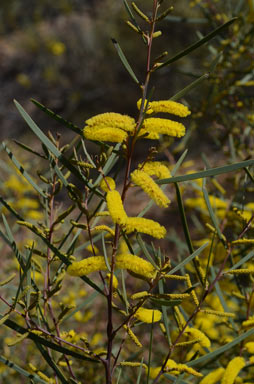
x: 57, y: 48
x: 148, y: 315
x: 232, y: 370
x: 164, y: 127
x: 166, y: 106
x: 144, y: 181
x: 115, y: 207
x: 147, y: 226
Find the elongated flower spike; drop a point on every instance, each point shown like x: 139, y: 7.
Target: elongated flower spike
x: 86, y: 266
x: 166, y: 106
x: 113, y: 120
x: 163, y: 127
x: 148, y: 315
x: 232, y: 370
x: 213, y: 377
x: 144, y: 181
x: 136, y: 265
x: 147, y: 226
x: 114, y: 135
x: 155, y: 168
x: 115, y: 207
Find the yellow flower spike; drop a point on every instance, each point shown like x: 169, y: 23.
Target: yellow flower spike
x: 197, y: 334
x: 147, y: 226
x: 148, y: 315
x: 101, y: 228
x: 169, y: 106
x: 86, y: 266
x: 115, y: 207
x: 185, y: 368
x: 140, y: 295
x: 164, y: 127
x: 243, y: 241
x: 155, y: 168
x: 250, y: 347
x: 213, y: 377
x: 136, y: 265
x: 166, y: 106
x: 114, y: 135
x: 144, y: 181
x: 133, y: 337
x: 108, y: 184
x: 248, y: 323
x: 113, y: 120
x: 132, y: 364
x: 232, y: 370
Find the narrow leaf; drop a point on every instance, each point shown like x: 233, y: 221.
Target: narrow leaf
x: 124, y: 61
x: 57, y: 117
x: 188, y: 259
x: 23, y: 372
x: 198, y: 44
x: 207, y: 173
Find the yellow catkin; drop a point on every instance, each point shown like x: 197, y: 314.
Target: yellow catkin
x: 213, y: 377
x: 133, y: 364
x: 156, y: 168
x: 243, y: 241
x: 172, y: 107
x: 101, y: 228
x: 174, y: 277
x: 114, y: 135
x: 147, y: 226
x: 197, y: 334
x: 132, y: 336
x: 148, y: 315
x: 166, y: 106
x: 136, y: 265
x: 191, y: 371
x: 144, y: 181
x: 139, y: 295
x: 171, y: 365
x: 193, y: 293
x: 250, y: 347
x: 107, y: 184
x: 187, y: 343
x: 103, y: 213
x: 232, y: 370
x: 114, y: 120
x: 86, y: 266
x: 242, y: 271
x: 217, y: 313
x: 248, y: 323
x: 115, y: 207
x: 164, y: 126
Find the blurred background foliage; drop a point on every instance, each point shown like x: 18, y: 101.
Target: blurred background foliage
x: 60, y: 53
